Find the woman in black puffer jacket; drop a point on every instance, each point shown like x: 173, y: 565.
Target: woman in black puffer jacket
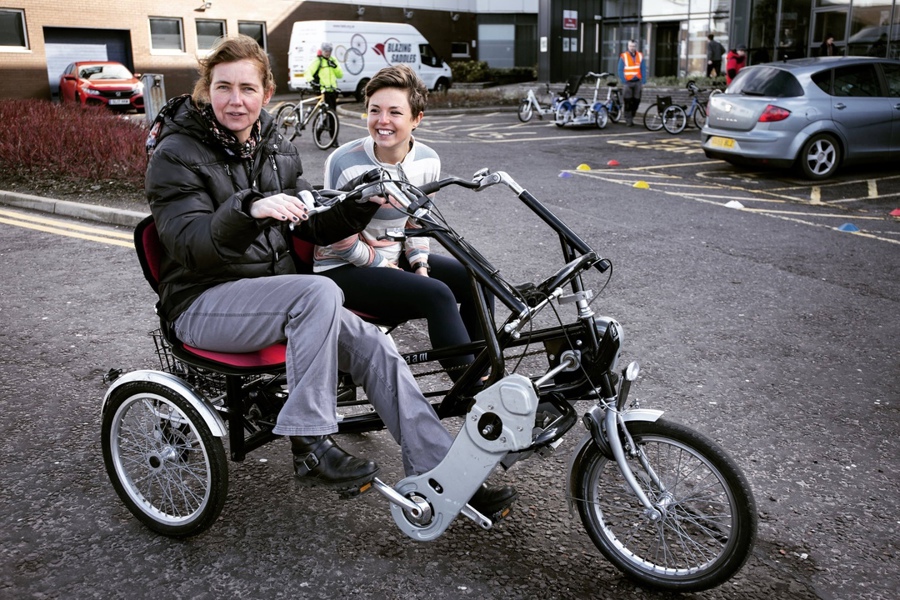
x: 222, y: 186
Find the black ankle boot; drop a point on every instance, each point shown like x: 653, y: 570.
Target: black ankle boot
x: 494, y: 501
x: 318, y: 461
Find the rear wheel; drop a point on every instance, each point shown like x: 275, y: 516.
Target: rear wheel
x: 286, y: 120
x: 163, y: 460
x: 526, y: 111
x: 700, y: 116
x: 820, y: 157
x: 653, y: 118
x: 325, y: 128
x: 360, y: 93
x: 601, y: 117
x: 674, y: 119
x: 708, y: 514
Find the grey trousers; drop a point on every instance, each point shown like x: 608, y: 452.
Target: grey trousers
x: 322, y: 336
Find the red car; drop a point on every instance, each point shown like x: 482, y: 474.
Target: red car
x: 101, y: 83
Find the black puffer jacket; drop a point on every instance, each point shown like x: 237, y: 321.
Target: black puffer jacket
x: 198, y: 195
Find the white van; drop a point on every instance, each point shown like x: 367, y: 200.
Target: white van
x: 364, y: 47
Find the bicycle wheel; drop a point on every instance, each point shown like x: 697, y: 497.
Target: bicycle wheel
x: 708, y: 523
x: 581, y: 109
x: 325, y: 128
x: 563, y: 115
x: 526, y: 111
x: 653, y: 118
x: 700, y: 116
x: 674, y: 119
x: 286, y: 120
x: 601, y: 117
x: 163, y: 460
x: 616, y: 114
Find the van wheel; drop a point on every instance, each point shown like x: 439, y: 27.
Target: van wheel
x: 441, y: 86
x: 360, y: 92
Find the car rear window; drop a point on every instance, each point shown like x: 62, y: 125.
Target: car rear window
x: 765, y: 81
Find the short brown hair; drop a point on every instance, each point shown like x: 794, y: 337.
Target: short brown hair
x: 404, y: 78
x: 228, y: 50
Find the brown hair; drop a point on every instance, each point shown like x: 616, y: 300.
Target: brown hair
x: 228, y: 50
x: 404, y: 78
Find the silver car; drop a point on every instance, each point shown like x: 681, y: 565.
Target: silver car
x: 815, y: 114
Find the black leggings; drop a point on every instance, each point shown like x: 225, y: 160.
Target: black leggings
x: 400, y: 295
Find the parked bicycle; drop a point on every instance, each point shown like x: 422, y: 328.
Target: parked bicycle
x: 613, y: 107
x: 665, y: 504
x: 653, y: 114
x: 572, y: 109
x: 530, y: 105
x: 293, y: 117
x: 675, y: 117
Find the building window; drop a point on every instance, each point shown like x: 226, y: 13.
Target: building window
x: 208, y: 32
x: 166, y: 34
x: 12, y: 29
x: 255, y: 30
x: 459, y: 50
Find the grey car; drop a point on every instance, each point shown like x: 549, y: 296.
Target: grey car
x: 815, y: 114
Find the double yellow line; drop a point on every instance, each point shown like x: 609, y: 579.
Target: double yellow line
x: 66, y: 228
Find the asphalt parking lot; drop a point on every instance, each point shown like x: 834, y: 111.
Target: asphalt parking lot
x: 765, y: 326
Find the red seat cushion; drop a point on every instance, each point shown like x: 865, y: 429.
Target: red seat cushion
x: 271, y: 356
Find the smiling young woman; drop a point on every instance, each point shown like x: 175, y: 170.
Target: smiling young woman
x: 392, y: 279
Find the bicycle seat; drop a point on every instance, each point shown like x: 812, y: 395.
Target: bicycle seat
x: 150, y: 251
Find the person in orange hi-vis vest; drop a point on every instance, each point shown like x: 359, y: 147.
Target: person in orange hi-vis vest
x: 632, y: 74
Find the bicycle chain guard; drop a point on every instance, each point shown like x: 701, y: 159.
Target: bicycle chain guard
x: 500, y: 422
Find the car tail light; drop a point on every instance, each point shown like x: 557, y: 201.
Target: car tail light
x: 774, y: 113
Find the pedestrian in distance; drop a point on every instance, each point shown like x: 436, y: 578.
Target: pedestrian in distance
x: 225, y: 215
x: 325, y: 71
x: 632, y: 71
x: 393, y: 279
x: 827, y: 48
x: 714, y: 54
x: 737, y: 60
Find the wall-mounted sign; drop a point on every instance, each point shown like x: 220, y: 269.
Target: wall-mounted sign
x: 570, y: 19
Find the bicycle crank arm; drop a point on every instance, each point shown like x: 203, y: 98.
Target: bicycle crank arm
x: 501, y: 421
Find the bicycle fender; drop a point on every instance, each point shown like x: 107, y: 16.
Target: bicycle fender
x: 500, y: 421
x: 210, y: 416
x: 578, y: 454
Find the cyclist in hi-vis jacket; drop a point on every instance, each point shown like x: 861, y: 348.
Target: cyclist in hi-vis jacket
x: 633, y: 74
x: 326, y: 71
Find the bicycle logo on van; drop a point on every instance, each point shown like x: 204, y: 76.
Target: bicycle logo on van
x: 393, y: 51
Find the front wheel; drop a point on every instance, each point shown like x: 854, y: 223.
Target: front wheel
x: 164, y: 462
x: 601, y: 117
x: 653, y: 118
x: 820, y: 157
x: 616, y: 112
x: 286, y: 120
x: 708, y: 522
x: 526, y: 111
x: 563, y: 115
x: 325, y: 128
x: 674, y: 119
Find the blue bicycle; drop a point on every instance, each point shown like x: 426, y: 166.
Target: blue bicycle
x: 675, y: 117
x: 613, y: 109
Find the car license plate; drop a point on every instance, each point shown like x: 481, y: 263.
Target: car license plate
x: 721, y: 142
x: 120, y: 101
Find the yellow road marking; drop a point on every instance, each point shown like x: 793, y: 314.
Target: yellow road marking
x: 66, y: 229
x: 815, y: 195
x: 873, y: 188
x: 65, y: 224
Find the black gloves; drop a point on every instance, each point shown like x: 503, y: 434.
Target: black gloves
x: 332, y: 63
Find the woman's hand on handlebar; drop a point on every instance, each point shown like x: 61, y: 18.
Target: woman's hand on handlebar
x: 282, y: 207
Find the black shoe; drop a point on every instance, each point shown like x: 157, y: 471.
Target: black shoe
x: 494, y: 501
x: 318, y: 461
